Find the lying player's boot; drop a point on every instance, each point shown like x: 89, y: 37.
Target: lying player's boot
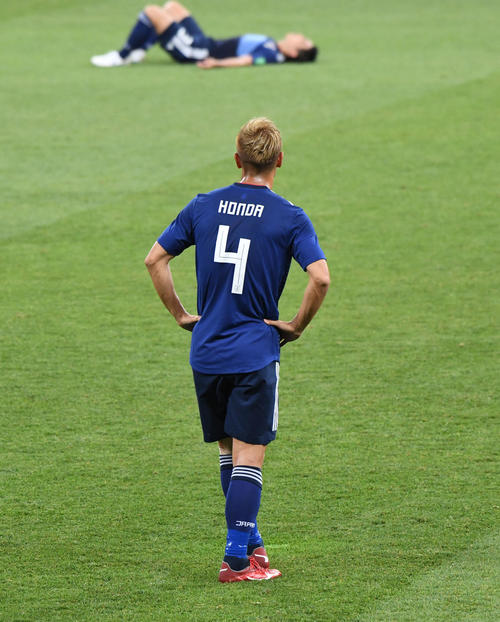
x: 258, y: 552
x: 110, y: 59
x: 253, y: 572
x: 136, y: 56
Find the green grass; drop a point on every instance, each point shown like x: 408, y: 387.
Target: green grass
x: 380, y: 498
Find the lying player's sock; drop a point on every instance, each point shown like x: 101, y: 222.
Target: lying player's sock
x: 242, y: 507
x: 139, y: 36
x: 153, y: 38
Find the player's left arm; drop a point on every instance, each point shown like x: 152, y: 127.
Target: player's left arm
x: 233, y: 61
x: 157, y: 263
x: 314, y: 294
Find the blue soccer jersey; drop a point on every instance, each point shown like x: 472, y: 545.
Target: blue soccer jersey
x: 186, y: 42
x: 263, y: 49
x: 245, y: 238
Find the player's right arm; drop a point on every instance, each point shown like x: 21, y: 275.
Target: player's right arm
x: 157, y: 263
x: 233, y: 61
x: 314, y: 294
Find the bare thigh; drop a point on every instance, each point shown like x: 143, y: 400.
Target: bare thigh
x: 159, y: 17
x: 176, y: 11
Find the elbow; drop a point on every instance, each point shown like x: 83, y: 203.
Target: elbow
x: 151, y: 262
x: 322, y: 281
x: 319, y: 276
x: 156, y: 258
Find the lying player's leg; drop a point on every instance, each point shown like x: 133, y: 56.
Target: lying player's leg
x: 160, y: 17
x: 176, y: 11
x: 142, y: 36
x: 182, y: 39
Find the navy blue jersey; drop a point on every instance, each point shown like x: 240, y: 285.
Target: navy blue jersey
x: 245, y: 238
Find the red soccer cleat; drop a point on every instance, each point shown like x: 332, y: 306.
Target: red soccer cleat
x: 253, y: 572
x: 260, y: 556
x: 272, y: 573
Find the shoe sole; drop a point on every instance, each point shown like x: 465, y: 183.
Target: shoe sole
x: 270, y: 574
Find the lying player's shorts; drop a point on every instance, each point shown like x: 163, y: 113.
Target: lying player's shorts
x: 242, y: 406
x: 185, y: 41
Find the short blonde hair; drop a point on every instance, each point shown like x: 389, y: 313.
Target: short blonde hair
x: 259, y: 143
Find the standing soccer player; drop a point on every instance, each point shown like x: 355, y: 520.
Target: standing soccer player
x: 245, y: 237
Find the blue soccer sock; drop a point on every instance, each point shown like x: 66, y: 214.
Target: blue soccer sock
x: 153, y: 38
x: 140, y: 36
x: 255, y: 539
x: 226, y: 470
x: 242, y: 507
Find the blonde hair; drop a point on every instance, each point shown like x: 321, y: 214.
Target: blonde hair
x: 259, y: 143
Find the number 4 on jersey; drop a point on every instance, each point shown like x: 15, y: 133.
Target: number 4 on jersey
x: 239, y: 259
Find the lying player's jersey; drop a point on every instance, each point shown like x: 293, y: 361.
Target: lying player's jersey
x: 186, y: 42
x: 261, y: 48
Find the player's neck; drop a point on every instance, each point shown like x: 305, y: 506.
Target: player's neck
x: 258, y: 179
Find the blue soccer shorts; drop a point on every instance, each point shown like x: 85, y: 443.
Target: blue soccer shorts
x: 241, y: 406
x: 185, y: 41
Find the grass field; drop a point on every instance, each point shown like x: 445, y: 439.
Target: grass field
x: 380, y: 498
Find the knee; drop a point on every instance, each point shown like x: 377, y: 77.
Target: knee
x: 172, y: 5
x: 158, y: 17
x: 248, y: 455
x: 151, y: 10
x: 176, y: 10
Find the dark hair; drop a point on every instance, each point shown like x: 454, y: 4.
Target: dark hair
x: 304, y: 56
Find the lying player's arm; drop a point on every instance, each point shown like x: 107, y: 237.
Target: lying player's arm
x: 234, y: 61
x: 157, y: 262
x: 319, y: 281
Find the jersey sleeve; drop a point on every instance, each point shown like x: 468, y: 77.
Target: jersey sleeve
x: 305, y: 246
x: 267, y: 52
x: 179, y: 235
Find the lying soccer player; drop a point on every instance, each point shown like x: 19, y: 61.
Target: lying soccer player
x: 176, y: 31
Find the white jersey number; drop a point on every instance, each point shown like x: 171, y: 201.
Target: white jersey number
x: 239, y: 259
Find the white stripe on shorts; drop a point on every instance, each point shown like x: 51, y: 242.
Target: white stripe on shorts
x: 276, y: 413
x: 183, y: 42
